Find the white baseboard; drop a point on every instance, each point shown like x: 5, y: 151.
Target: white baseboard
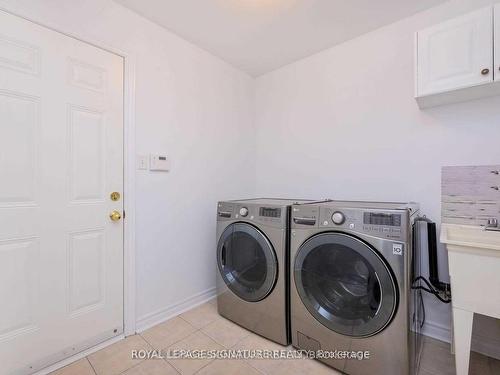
x: 437, y: 331
x: 487, y: 346
x: 163, y: 314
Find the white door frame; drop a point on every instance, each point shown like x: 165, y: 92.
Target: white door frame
x: 129, y: 276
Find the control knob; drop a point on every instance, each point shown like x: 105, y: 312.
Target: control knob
x: 338, y: 218
x: 243, y: 211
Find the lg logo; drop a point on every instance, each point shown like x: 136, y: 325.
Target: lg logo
x: 397, y: 249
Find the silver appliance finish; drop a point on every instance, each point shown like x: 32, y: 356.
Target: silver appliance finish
x: 263, y: 222
x: 394, y: 346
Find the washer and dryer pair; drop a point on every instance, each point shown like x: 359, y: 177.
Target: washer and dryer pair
x: 333, y: 277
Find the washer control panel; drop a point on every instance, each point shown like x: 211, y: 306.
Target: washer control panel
x: 390, y: 224
x: 267, y: 215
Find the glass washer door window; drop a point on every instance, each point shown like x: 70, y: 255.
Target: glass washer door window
x: 345, y: 284
x: 247, y: 262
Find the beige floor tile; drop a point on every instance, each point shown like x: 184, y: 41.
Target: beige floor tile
x: 196, y: 341
x: 479, y: 364
x: 152, y: 367
x: 165, y: 334
x: 494, y: 366
x: 304, y: 366
x: 202, y: 315
x: 436, y: 357
x: 424, y: 372
x: 225, y: 332
x: 432, y: 341
x: 213, y: 301
x: 256, y: 342
x: 81, y: 367
x: 437, y: 360
x: 117, y: 358
x: 228, y: 367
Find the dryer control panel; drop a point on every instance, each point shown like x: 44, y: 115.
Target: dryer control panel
x: 269, y: 215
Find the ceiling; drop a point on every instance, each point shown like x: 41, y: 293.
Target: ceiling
x: 258, y: 36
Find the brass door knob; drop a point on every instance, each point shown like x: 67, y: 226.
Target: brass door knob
x: 115, y: 216
x: 114, y: 196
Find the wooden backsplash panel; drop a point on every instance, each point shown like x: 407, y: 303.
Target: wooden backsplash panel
x: 470, y: 195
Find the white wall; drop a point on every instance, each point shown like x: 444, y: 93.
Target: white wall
x: 197, y: 109
x: 343, y: 124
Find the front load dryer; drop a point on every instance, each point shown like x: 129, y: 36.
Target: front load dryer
x: 351, y: 296
x: 252, y: 262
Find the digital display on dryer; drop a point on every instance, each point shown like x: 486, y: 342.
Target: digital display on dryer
x: 375, y: 218
x: 269, y: 212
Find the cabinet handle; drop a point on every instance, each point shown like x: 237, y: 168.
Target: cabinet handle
x: 485, y: 71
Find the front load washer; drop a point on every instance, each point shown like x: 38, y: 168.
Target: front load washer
x: 351, y: 296
x: 252, y: 262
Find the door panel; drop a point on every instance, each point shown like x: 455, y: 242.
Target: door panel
x: 18, y: 147
x: 20, y: 56
x: 87, y: 151
x: 87, y: 76
x: 61, y: 155
x: 86, y: 270
x: 453, y: 54
x: 18, y: 285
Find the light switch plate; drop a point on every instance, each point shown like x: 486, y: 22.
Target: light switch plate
x: 159, y: 163
x: 142, y: 162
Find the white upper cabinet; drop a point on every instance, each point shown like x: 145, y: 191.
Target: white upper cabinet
x: 455, y: 60
x: 456, y: 53
x: 496, y: 69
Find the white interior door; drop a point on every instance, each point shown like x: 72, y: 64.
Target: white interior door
x: 61, y: 155
x: 456, y: 54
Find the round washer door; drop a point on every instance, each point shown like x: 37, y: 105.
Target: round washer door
x: 345, y: 284
x: 247, y: 262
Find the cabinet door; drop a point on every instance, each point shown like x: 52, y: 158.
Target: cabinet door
x: 456, y: 54
x: 496, y: 68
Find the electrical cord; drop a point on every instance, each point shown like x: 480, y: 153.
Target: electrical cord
x: 436, y: 294
x: 433, y: 289
x: 423, y: 310
x: 430, y: 289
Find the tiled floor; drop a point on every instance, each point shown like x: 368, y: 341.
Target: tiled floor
x: 202, y: 328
